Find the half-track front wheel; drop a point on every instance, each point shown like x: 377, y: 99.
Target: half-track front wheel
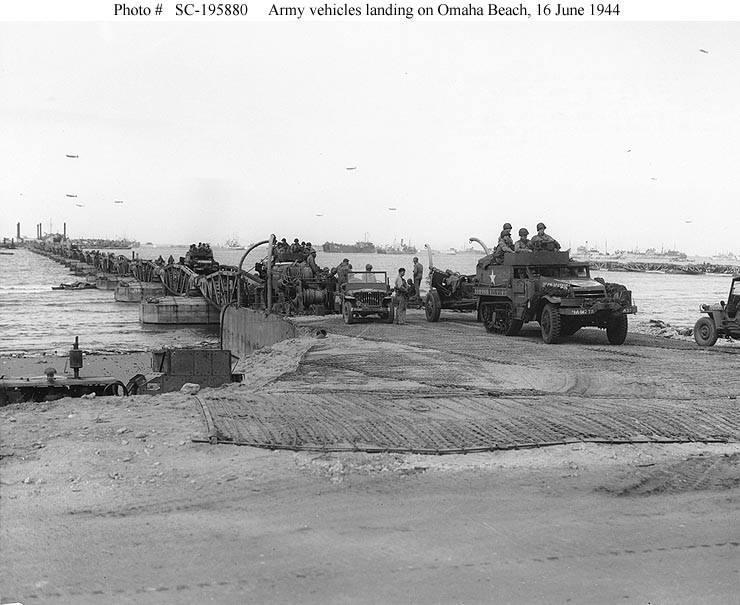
x: 347, y: 315
x: 550, y: 324
x: 616, y: 329
x: 432, y: 306
x: 705, y: 332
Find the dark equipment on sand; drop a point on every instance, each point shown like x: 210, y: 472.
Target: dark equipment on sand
x: 722, y: 319
x: 172, y: 368
x: 550, y: 288
x: 51, y: 387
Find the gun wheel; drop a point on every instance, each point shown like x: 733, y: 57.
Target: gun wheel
x: 432, y: 306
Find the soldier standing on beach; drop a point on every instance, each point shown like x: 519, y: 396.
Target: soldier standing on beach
x: 418, y: 273
x: 401, y: 289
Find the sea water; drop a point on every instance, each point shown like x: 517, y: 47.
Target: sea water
x: 35, y: 319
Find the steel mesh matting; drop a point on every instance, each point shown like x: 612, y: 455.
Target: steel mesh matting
x: 342, y: 421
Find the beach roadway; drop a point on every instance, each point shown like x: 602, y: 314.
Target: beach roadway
x: 123, y: 500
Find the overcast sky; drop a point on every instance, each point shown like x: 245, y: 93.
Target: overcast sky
x: 626, y: 133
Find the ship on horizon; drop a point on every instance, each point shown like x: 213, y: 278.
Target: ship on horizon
x: 356, y: 248
x: 403, y: 248
x: 233, y: 244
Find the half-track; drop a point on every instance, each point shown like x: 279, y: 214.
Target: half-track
x: 722, y: 319
x: 553, y: 290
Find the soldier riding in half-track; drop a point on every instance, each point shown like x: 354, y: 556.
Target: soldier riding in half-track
x: 546, y: 286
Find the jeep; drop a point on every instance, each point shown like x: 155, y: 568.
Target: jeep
x: 365, y: 293
x: 722, y: 319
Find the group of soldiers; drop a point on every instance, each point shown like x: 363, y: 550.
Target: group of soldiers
x: 541, y: 241
x: 301, y: 249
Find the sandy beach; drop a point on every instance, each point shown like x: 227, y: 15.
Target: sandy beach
x: 119, y: 500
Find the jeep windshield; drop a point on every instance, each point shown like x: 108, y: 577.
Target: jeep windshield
x: 367, y: 277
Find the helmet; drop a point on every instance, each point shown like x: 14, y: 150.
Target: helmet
x: 507, y: 225
x: 368, y: 267
x: 541, y: 226
x: 523, y: 231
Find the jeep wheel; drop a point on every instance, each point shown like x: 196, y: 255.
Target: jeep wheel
x: 390, y: 315
x: 705, y: 332
x: 347, y: 315
x: 432, y: 306
x: 550, y: 324
x: 616, y: 329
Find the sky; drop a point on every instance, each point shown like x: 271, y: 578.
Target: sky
x: 625, y: 136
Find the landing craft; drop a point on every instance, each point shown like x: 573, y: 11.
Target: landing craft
x: 74, y: 157
x: 71, y: 194
x: 351, y: 167
x: 80, y: 205
x: 118, y: 202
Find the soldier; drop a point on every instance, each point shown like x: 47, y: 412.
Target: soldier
x: 401, y: 289
x: 542, y: 241
x: 311, y: 262
x: 505, y: 244
x: 418, y: 273
x: 342, y: 270
x: 506, y: 234
x: 522, y: 244
x: 369, y: 277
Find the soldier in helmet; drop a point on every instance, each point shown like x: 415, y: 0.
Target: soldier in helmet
x: 505, y: 244
x: 506, y: 232
x: 369, y: 276
x: 542, y: 241
x: 522, y: 244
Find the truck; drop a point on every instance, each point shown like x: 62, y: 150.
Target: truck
x: 550, y: 288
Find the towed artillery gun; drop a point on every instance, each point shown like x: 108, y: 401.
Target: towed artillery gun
x: 449, y: 289
x: 548, y: 287
x: 722, y: 319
